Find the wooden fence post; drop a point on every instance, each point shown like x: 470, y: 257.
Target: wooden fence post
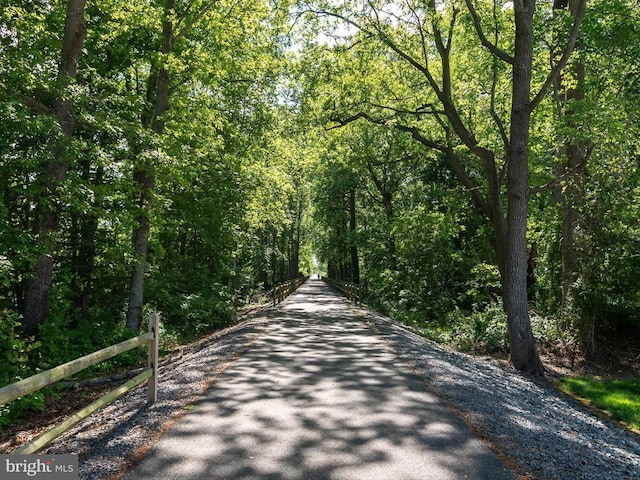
x: 152, y: 383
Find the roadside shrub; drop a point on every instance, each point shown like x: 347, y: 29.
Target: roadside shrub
x: 479, y: 331
x: 15, y: 359
x: 547, y: 330
x: 192, y: 313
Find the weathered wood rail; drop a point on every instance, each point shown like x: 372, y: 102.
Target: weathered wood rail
x: 37, y: 382
x: 350, y: 290
x: 284, y: 289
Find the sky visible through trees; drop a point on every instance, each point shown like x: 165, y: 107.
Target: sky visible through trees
x: 472, y: 164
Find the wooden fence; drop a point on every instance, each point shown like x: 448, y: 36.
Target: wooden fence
x: 284, y: 289
x: 350, y: 290
x: 44, y: 379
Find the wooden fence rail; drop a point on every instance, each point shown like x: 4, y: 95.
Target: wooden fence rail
x: 34, y: 383
x: 350, y: 290
x: 284, y: 289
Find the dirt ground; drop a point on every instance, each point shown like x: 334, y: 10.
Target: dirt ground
x: 56, y: 410
x: 612, y: 360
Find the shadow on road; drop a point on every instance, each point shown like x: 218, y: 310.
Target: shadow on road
x: 318, y: 396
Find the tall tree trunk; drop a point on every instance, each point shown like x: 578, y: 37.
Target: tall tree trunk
x: 572, y: 202
x: 84, y: 250
x: 296, y: 241
x: 274, y: 257
x: 144, y: 181
x: 573, y: 169
x: 340, y: 251
x: 510, y: 231
x: 355, y: 265
x: 47, y: 211
x: 387, y: 203
x: 524, y: 354
x: 144, y: 176
x: 283, y: 265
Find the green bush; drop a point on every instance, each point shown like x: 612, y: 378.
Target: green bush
x: 15, y: 358
x: 21, y: 408
x: 14, y: 351
x: 58, y: 342
x: 192, y: 313
x: 483, y: 331
x: 483, y: 287
x: 478, y: 331
x: 548, y: 331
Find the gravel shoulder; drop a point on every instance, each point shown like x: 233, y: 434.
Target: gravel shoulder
x: 113, y: 438
x: 539, y: 433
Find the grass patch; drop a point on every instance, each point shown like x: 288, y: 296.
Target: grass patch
x: 620, y: 398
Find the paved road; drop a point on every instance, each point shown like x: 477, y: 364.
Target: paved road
x: 319, y: 396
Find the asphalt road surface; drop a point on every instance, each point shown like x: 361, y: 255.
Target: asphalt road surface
x: 319, y: 396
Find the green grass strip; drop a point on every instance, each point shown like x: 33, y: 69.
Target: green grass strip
x: 620, y: 398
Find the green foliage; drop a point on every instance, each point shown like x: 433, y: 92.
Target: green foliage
x: 16, y: 365
x: 608, y: 289
x: 253, y: 178
x: 57, y: 343
x: 189, y: 312
x: 14, y: 349
x: 21, y: 408
x: 621, y: 398
x: 483, y: 286
x: 482, y: 331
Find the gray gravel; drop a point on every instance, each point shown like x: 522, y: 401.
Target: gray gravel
x: 540, y: 433
x: 546, y: 435
x: 114, y: 437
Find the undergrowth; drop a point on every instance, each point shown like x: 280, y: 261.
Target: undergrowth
x: 183, y: 319
x: 482, y: 331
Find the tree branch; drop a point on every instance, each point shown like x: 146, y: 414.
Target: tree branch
x: 195, y: 19
x: 558, y: 181
x: 34, y: 105
x: 422, y: 110
x: 451, y: 27
x: 452, y: 158
x: 454, y: 164
x: 495, y: 51
x: 566, y: 54
x: 424, y: 69
x: 494, y: 114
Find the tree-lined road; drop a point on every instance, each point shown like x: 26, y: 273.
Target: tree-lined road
x: 319, y: 396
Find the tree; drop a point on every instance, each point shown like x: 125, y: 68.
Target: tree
x: 336, y: 189
x: 423, y: 39
x: 206, y: 24
x: 569, y: 92
x: 596, y: 93
x: 47, y: 203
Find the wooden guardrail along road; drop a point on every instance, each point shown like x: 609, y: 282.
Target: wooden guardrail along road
x: 350, y: 290
x: 37, y: 382
x: 284, y: 289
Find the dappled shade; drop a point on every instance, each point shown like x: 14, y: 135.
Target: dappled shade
x: 319, y: 396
